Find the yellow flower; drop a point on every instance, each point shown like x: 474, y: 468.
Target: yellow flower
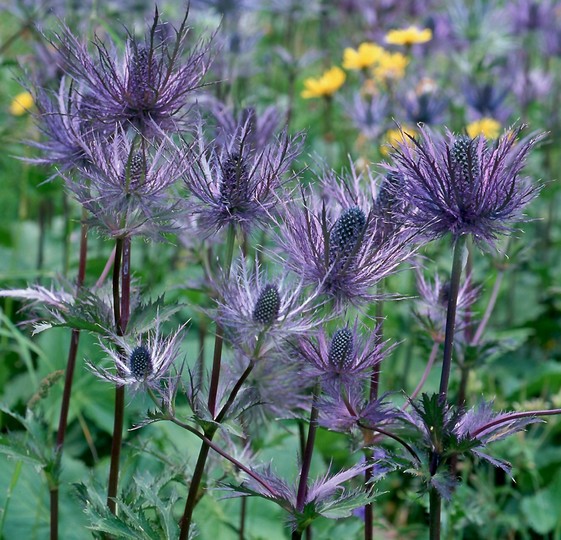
x: 408, y: 36
x: 390, y: 66
x: 21, y: 104
x: 394, y: 137
x: 366, y: 55
x: 488, y: 127
x: 326, y: 85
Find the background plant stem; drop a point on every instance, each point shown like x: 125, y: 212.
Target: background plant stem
x: 68, y: 379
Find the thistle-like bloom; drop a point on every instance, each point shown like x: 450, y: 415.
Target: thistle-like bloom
x: 424, y: 105
x: 325, y: 85
x: 368, y: 114
x: 261, y: 128
x: 344, y: 249
x: 465, y: 186
x: 126, y: 185
x: 432, y: 306
x: 326, y: 496
x: 141, y: 363
x: 486, y: 99
x: 446, y: 431
x: 235, y: 184
x: 252, y: 306
x: 146, y: 89
x: 67, y: 131
x: 343, y: 360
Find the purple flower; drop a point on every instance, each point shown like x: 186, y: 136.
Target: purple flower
x: 346, y: 413
x: 343, y: 361
x: 126, y: 185
x: 343, y: 249
x: 142, y: 362
x: 432, y: 305
x: 424, y: 105
x: 252, y: 307
x: 261, y: 128
x: 486, y: 99
x: 235, y: 184
x: 368, y: 114
x: 61, y: 120
x: 465, y: 186
x: 146, y: 89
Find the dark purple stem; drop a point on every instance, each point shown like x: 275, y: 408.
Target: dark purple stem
x: 435, y: 501
x: 514, y: 416
x: 68, y: 379
x: 121, y: 311
x: 451, y: 316
x: 307, y: 458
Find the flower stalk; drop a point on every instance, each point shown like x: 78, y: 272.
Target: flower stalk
x: 68, y: 379
x: 121, y: 312
x: 307, y: 457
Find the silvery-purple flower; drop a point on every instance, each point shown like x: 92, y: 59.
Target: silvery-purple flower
x: 347, y: 413
x: 465, y: 186
x: 140, y: 362
x: 432, y: 306
x: 425, y: 106
x: 66, y: 131
x: 261, y: 127
x: 343, y: 250
x: 343, y: 360
x: 368, y: 114
x: 146, y: 89
x: 253, y: 306
x: 126, y: 185
x: 447, y: 431
x: 486, y: 99
x: 235, y: 184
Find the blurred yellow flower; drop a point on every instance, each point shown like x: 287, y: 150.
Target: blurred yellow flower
x: 408, y: 36
x: 390, y: 66
x: 324, y: 86
x: 488, y: 127
x: 366, y: 55
x: 21, y: 104
x: 394, y: 137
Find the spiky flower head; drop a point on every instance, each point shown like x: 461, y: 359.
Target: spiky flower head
x: 66, y: 131
x: 445, y: 431
x: 126, y: 185
x: 146, y: 89
x: 344, y: 248
x: 235, y: 184
x: 140, y: 362
x: 261, y: 126
x: 432, y: 306
x: 465, y: 186
x: 254, y: 306
x: 343, y: 360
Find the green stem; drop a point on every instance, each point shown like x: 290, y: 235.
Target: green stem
x: 435, y: 510
x: 451, y: 316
